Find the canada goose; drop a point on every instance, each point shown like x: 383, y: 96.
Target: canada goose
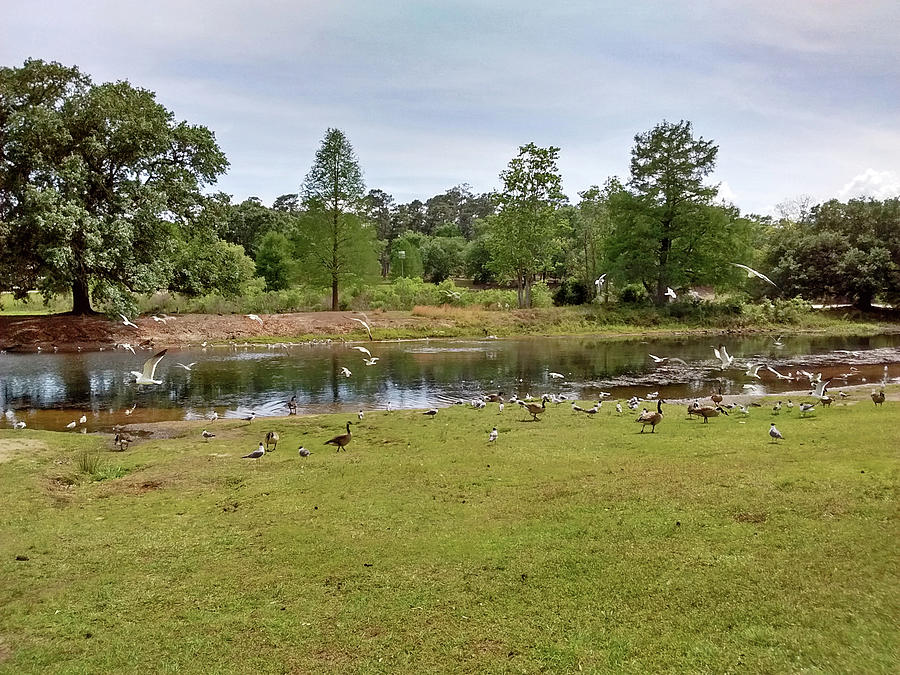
x: 494, y: 398
x: 146, y: 375
x: 707, y: 411
x: 256, y: 454
x: 121, y: 441
x: 534, y: 409
x: 878, y: 397
x: 273, y: 438
x: 651, y: 418
x: 774, y: 433
x: 207, y: 435
x: 342, y: 441
x: 717, y: 398
x: 826, y: 401
x: 431, y: 412
x: 292, y: 406
x: 493, y: 435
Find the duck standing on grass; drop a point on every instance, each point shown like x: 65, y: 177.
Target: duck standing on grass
x: 651, y: 418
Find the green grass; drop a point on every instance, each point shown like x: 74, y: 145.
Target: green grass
x: 572, y: 543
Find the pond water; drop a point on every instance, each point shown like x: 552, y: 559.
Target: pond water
x: 50, y: 390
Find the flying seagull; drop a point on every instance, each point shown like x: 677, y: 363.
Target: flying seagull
x: 670, y: 293
x: 753, y: 371
x: 346, y: 372
x: 255, y: 317
x: 724, y: 357
x: 599, y: 281
x: 186, y: 366
x: 146, y: 375
x: 363, y: 350
x: 365, y: 325
x: 158, y: 319
x: 127, y: 347
x: 663, y: 359
x: 753, y: 273
x: 127, y: 322
x: 372, y: 361
x: 557, y: 376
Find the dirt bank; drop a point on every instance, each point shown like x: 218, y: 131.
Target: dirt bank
x: 66, y: 332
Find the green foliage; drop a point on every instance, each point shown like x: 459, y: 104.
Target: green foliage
x: 572, y: 292
x: 100, y: 182
x: 204, y: 263
x: 523, y: 237
x: 634, y: 294
x: 274, y: 262
x: 666, y: 231
x: 335, y: 242
x: 840, y: 250
x: 411, y: 266
x: 442, y: 257
x: 249, y: 222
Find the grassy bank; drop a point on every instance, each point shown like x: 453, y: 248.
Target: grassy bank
x: 571, y: 543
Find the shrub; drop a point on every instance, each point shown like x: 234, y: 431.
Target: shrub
x: 571, y: 292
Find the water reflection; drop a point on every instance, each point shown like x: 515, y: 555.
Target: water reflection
x: 46, y: 390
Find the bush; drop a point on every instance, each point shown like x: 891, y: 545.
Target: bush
x: 571, y: 292
x: 634, y: 294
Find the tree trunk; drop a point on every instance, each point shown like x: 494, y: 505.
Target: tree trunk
x: 81, y: 299
x: 864, y: 302
x: 335, y: 305
x: 664, y: 247
x: 519, y: 291
x: 528, y: 282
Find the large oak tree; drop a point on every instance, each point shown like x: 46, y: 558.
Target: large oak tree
x: 99, y: 185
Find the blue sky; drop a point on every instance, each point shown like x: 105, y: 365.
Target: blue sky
x: 802, y: 97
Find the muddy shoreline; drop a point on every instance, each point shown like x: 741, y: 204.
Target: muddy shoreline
x: 70, y: 333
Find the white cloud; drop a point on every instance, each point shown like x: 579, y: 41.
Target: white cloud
x: 872, y: 183
x: 726, y: 194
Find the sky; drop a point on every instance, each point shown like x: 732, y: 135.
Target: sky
x: 801, y: 96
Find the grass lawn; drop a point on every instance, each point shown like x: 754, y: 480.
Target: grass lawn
x: 573, y: 543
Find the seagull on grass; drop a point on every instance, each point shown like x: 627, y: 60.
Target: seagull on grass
x: 82, y: 419
x: 303, y: 452
x: 146, y: 375
x: 207, y: 435
x: 256, y: 454
x: 493, y: 435
x: 774, y: 433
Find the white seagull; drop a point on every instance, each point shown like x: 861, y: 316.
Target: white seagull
x: 753, y: 273
x: 255, y: 317
x: 753, y: 371
x: 365, y: 325
x: 371, y: 362
x: 557, y: 376
x: 126, y: 346
x: 146, y: 375
x: 778, y: 375
x: 303, y: 452
x: 127, y: 322
x: 363, y: 350
x: 599, y: 281
x: 724, y: 357
x: 774, y: 433
x: 207, y: 435
x: 670, y: 293
x: 360, y: 414
x: 256, y: 454
x: 493, y: 435
x: 158, y: 319
x: 71, y: 425
x: 19, y: 425
x: 187, y: 366
x: 819, y: 390
x: 82, y: 419
x: 346, y: 372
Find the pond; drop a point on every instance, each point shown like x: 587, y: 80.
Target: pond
x: 50, y: 390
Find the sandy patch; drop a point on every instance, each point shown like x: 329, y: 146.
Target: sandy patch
x: 13, y: 448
